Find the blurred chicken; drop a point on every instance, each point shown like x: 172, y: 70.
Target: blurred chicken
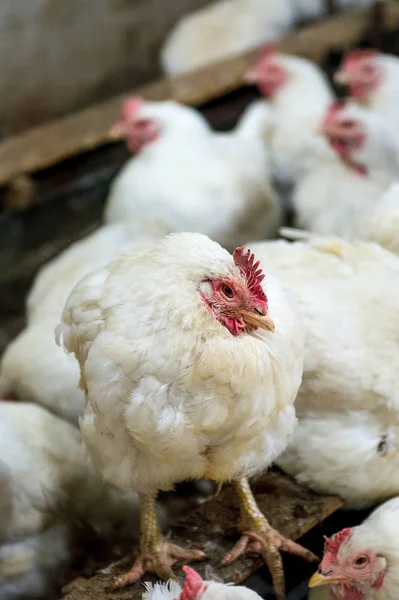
x: 195, y: 588
x: 46, y: 488
x: 299, y: 95
x: 55, y: 281
x: 33, y: 367
x: 228, y: 27
x: 347, y: 438
x: 213, y: 183
x: 181, y: 381
x: 223, y: 29
x: 362, y: 563
x: 336, y: 197
x: 380, y: 223
x: 312, y: 9
x: 33, y: 567
x: 373, y: 81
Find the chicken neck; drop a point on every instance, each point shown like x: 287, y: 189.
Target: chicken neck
x: 258, y: 536
x: 156, y: 554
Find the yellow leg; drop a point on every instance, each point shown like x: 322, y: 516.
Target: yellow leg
x: 156, y: 554
x: 259, y: 536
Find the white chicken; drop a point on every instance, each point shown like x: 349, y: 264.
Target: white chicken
x: 33, y: 367
x: 212, y: 183
x: 347, y: 438
x: 47, y: 487
x: 299, y: 95
x: 362, y: 563
x: 195, y: 588
x: 380, y: 223
x: 373, y: 81
x: 55, y: 281
x: 180, y: 383
x: 228, y: 27
x: 338, y: 195
x: 224, y: 28
x: 311, y: 9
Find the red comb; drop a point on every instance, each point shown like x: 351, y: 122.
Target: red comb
x: 266, y: 52
x: 359, y: 54
x: 131, y: 105
x: 193, y: 584
x: 7, y: 398
x: 248, y: 267
x: 333, y: 544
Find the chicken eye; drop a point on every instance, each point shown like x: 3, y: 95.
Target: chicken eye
x: 368, y: 69
x: 347, y: 124
x: 361, y: 561
x: 227, y: 291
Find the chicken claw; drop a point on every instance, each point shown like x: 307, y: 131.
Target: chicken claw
x: 258, y: 536
x: 159, y: 562
x: 156, y: 554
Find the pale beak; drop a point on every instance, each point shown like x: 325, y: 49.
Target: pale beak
x: 318, y: 579
x: 341, y: 77
x: 250, y: 76
x: 262, y: 321
x: 116, y: 132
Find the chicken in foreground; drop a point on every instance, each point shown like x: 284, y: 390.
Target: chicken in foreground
x: 339, y: 196
x: 189, y: 371
x: 372, y: 79
x: 346, y: 441
x: 299, y: 94
x: 33, y: 368
x: 218, y: 184
x: 196, y: 588
x: 362, y: 563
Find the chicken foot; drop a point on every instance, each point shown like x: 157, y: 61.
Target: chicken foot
x: 156, y: 555
x: 259, y: 536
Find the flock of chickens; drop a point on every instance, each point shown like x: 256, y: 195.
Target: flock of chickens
x: 184, y: 359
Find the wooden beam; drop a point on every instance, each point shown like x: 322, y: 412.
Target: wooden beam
x: 290, y: 508
x: 49, y: 144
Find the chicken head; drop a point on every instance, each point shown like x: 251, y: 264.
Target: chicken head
x: 350, y: 567
x: 344, y: 132
x: 240, y: 303
x: 361, y: 72
x: 138, y: 129
x: 268, y: 72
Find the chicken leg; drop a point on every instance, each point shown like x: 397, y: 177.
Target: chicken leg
x: 259, y: 536
x: 156, y: 555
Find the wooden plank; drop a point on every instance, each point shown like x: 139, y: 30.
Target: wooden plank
x: 289, y: 507
x: 47, y: 145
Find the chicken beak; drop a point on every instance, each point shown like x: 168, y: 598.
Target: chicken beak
x: 341, y: 77
x: 251, y: 76
x: 116, y: 132
x: 318, y: 580
x: 262, y: 321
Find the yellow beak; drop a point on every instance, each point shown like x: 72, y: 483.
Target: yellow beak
x: 262, y: 321
x: 318, y: 579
